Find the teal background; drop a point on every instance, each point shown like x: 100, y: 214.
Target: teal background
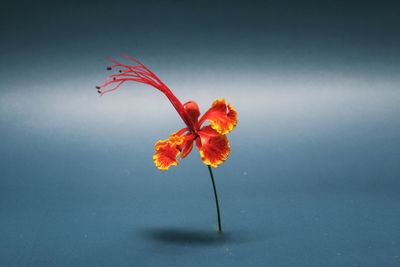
x: 313, y: 177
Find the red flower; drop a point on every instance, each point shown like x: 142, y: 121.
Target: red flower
x: 211, y: 140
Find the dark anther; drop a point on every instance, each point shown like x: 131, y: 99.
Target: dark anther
x: 114, y: 78
x: 99, y: 91
x: 98, y: 87
x: 120, y: 71
x: 108, y: 68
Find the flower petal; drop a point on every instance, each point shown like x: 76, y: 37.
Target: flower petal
x: 167, y: 151
x: 223, y: 117
x: 193, y: 112
x: 187, y: 145
x: 213, y: 147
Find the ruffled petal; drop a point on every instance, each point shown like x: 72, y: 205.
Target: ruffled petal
x: 213, y: 147
x: 187, y: 145
x: 222, y: 116
x: 193, y: 112
x: 167, y: 151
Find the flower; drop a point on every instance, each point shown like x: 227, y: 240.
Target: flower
x: 210, y: 140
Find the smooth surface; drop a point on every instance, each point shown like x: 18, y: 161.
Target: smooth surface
x: 313, y: 177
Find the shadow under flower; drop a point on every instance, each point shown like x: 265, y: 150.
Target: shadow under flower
x: 185, y: 236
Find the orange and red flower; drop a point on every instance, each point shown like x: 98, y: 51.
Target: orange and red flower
x: 211, y: 140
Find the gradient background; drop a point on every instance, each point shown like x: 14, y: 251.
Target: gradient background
x: 313, y: 177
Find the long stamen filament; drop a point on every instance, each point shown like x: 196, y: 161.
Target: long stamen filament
x: 140, y: 73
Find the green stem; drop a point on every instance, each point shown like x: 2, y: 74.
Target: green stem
x: 216, y: 199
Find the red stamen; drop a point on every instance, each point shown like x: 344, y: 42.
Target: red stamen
x: 140, y: 73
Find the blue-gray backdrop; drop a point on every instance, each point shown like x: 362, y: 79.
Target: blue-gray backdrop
x: 313, y: 177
